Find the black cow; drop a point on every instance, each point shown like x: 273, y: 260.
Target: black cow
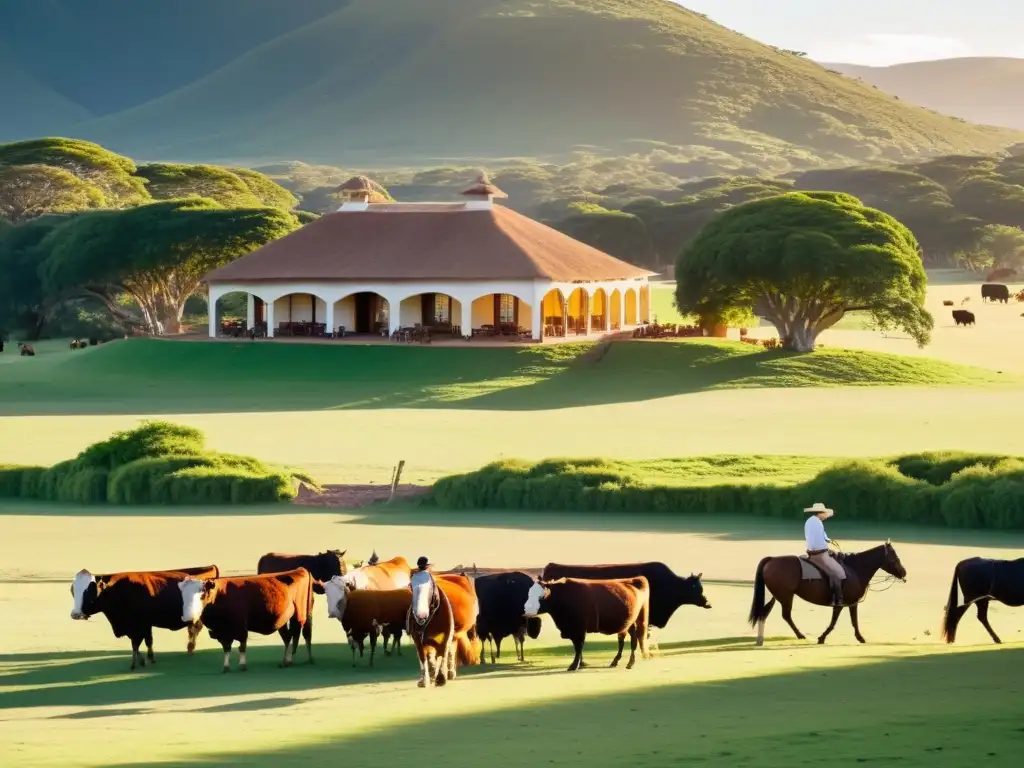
x: 983, y: 580
x: 668, y: 591
x: 322, y: 567
x: 501, y: 597
x: 995, y: 292
x: 963, y: 317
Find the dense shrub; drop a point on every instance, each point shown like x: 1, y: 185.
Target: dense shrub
x: 955, y: 490
x: 158, y: 463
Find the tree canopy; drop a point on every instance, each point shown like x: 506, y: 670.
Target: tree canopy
x: 231, y: 187
x: 28, y: 191
x: 803, y: 260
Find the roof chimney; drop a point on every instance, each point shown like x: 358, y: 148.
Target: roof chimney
x: 481, y: 195
x: 357, y: 193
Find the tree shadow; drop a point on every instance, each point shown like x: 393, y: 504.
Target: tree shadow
x: 938, y: 710
x: 59, y: 509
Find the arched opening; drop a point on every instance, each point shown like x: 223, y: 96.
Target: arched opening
x: 645, y: 303
x: 500, y: 315
x: 299, y: 314
x: 553, y: 313
x: 631, y: 309
x: 362, y: 313
x: 229, y: 317
x: 438, y: 312
x: 599, y: 311
x: 576, y: 307
x: 615, y: 310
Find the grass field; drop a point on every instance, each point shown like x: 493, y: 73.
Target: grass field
x: 709, y: 697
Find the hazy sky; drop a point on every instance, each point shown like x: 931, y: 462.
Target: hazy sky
x: 877, y: 32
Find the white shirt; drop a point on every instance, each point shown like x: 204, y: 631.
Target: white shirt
x: 814, y: 532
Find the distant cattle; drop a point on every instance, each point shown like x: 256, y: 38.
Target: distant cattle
x: 995, y: 292
x: 135, y: 602
x: 963, y: 317
x: 322, y: 567
x: 947, y: 303
x: 1019, y: 297
x: 26, y: 350
x: 78, y: 344
x: 366, y: 612
x: 579, y: 607
x: 668, y: 591
x: 233, y: 607
x: 501, y: 597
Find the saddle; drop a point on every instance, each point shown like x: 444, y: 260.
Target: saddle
x: 811, y: 572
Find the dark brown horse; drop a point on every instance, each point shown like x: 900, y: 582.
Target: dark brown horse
x: 787, y: 576
x: 983, y: 580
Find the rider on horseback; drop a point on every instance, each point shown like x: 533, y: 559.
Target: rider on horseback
x: 817, y: 549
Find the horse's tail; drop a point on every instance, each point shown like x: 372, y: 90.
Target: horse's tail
x: 952, y: 617
x: 758, y: 610
x: 468, y: 647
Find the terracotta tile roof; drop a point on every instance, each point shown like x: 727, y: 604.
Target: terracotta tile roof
x: 426, y: 242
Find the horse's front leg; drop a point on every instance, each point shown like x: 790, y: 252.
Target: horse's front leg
x: 855, y: 620
x: 836, y: 610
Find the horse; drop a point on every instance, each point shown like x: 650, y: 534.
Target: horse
x: 386, y: 575
x: 983, y: 580
x: 791, y: 575
x: 442, y: 624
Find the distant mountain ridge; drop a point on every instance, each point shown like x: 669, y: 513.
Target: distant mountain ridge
x: 984, y: 90
x: 389, y: 82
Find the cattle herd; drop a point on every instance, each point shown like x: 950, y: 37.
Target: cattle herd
x: 449, y: 615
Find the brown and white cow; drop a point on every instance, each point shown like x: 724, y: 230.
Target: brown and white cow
x: 389, y: 574
x: 232, y: 607
x: 609, y: 607
x: 366, y: 612
x: 136, y: 601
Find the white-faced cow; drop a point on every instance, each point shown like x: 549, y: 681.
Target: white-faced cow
x: 501, y: 597
x: 366, y: 613
x: 136, y: 601
x: 233, y: 607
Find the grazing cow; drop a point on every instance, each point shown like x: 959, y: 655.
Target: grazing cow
x: 582, y: 606
x: 390, y: 574
x: 983, y: 580
x: 322, y: 567
x: 366, y: 612
x: 26, y: 350
x: 233, y: 607
x: 947, y: 303
x: 78, y: 344
x: 502, y: 596
x: 442, y: 623
x: 135, y: 602
x: 963, y: 317
x: 995, y: 292
x: 668, y: 591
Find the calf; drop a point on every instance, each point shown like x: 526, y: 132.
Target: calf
x: 365, y: 612
x: 501, y: 597
x: 233, y: 607
x: 322, y: 567
x: 136, y: 601
x: 668, y: 591
x: 995, y: 292
x: 582, y: 606
x: 963, y: 317
x: 26, y: 350
x: 389, y: 574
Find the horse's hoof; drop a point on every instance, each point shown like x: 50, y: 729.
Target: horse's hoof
x: 243, y: 668
x: 821, y: 640
x: 421, y: 684
x: 225, y: 671
x: 758, y: 643
x: 613, y: 665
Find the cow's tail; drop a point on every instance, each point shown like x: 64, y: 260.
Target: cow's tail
x: 758, y: 610
x: 468, y: 647
x: 953, y: 612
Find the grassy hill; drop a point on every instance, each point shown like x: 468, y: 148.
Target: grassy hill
x: 402, y: 81
x: 982, y: 90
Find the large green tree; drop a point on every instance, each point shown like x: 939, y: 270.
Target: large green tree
x: 25, y: 304
x: 231, y: 187
x: 802, y: 260
x: 28, y: 191
x: 156, y: 253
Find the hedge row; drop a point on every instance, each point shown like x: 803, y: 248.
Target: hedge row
x: 158, y: 463
x: 952, y: 490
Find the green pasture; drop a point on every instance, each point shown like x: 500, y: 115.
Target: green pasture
x: 708, y: 697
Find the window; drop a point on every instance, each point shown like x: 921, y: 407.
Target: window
x: 506, y: 309
x: 442, y: 308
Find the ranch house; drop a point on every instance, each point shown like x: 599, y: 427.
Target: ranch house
x: 470, y: 269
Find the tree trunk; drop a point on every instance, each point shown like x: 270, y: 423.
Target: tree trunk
x: 801, y: 338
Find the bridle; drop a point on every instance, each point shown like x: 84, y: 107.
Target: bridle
x: 421, y: 625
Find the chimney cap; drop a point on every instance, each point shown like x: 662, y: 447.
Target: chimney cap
x: 483, y: 188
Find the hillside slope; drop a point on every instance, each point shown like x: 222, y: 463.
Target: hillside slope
x: 982, y: 90
x: 31, y: 107
x: 404, y: 81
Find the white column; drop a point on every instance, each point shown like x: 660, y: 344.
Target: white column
x: 586, y: 310
x: 394, y: 314
x: 622, y: 310
x: 648, y: 314
x: 537, y: 318
x: 270, y: 319
x: 250, y: 312
x: 211, y: 311
x: 329, y: 317
x: 465, y: 314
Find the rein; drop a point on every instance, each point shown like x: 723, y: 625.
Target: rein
x: 874, y: 583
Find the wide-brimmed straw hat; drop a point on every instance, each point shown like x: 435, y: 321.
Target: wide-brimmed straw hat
x: 816, y: 508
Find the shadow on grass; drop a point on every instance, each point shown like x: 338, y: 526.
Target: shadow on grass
x: 57, y: 509
x: 938, y: 710
x: 91, y: 680
x: 853, y: 535
x: 166, y: 377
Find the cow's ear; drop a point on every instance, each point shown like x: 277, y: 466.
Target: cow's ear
x: 343, y: 553
x: 101, y: 584
x: 699, y: 575
x: 208, y: 586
